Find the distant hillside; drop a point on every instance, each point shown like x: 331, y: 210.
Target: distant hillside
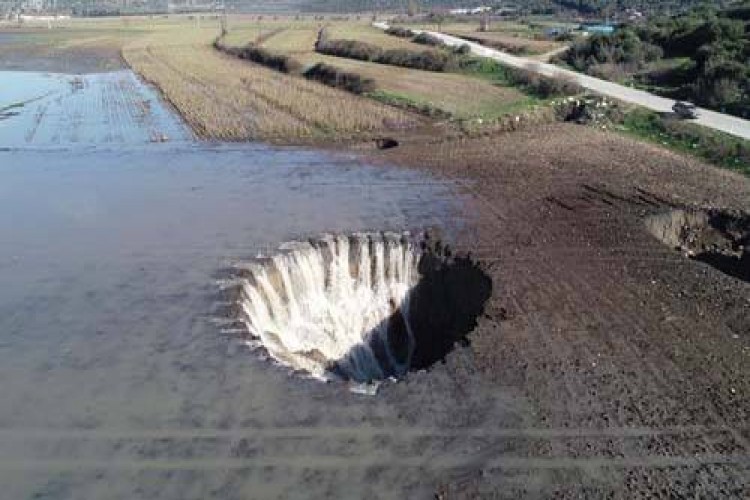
x: 588, y: 7
x: 528, y: 6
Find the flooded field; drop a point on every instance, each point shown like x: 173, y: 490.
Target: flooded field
x: 59, y: 110
x: 118, y: 382
x: 71, y: 51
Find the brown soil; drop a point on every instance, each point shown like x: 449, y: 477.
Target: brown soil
x: 720, y: 238
x: 634, y: 360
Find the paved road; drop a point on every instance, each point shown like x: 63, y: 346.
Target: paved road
x: 718, y: 121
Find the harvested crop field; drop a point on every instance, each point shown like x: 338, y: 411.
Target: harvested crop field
x: 225, y: 98
x: 612, y: 359
x: 508, y: 34
x: 507, y: 42
x: 369, y: 34
x: 291, y: 40
x: 444, y: 93
x: 635, y: 360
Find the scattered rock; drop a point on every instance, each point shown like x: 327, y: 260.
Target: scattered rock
x: 386, y: 143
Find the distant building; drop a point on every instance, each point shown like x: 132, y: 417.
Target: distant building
x: 472, y: 11
x: 598, y: 29
x: 555, y: 31
x: 634, y: 14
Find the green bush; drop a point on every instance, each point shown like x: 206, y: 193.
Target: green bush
x: 716, y: 147
x: 351, y: 49
x: 542, y: 86
x: 714, y: 46
x: 463, y: 49
x: 622, y: 48
x: 425, y: 60
x: 278, y: 62
x: 428, y: 60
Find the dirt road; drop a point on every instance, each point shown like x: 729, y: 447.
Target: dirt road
x: 712, y: 119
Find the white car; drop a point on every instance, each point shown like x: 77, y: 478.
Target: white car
x: 685, y: 110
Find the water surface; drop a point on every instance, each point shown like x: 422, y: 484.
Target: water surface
x: 116, y: 380
x: 55, y: 110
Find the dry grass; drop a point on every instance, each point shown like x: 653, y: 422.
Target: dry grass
x: 228, y: 99
x: 369, y: 34
x: 299, y: 36
x: 518, y: 44
x: 293, y: 40
x: 502, y: 33
x: 457, y: 95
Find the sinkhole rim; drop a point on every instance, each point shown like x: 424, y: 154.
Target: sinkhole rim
x: 717, y: 237
x: 439, y: 309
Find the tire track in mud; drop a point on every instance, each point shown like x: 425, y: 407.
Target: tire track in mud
x: 336, y: 463
x: 364, y: 431
x: 336, y: 447
x: 594, y: 321
x: 585, y: 316
x: 598, y: 301
x: 658, y: 381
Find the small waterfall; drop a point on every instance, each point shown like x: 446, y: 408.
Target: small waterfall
x: 335, y: 305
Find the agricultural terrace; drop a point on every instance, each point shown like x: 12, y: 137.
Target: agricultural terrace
x: 225, y: 98
x: 229, y: 99
x: 455, y: 95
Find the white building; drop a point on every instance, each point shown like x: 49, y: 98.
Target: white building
x: 472, y: 11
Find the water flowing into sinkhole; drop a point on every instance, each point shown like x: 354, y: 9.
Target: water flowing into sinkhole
x: 360, y: 307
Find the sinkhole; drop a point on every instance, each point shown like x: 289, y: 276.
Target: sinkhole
x: 360, y: 307
x: 719, y: 238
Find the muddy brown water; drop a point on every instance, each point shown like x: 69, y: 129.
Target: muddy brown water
x: 117, y: 379
x: 39, y: 49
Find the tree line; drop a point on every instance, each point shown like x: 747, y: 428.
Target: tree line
x: 702, y: 55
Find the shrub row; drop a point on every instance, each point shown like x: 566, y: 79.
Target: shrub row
x: 529, y: 80
x: 320, y: 72
x: 510, y: 48
x: 335, y: 77
x: 425, y: 60
x: 427, y: 39
x: 400, y: 32
x: 351, y: 49
x: 542, y: 86
x: 278, y: 62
